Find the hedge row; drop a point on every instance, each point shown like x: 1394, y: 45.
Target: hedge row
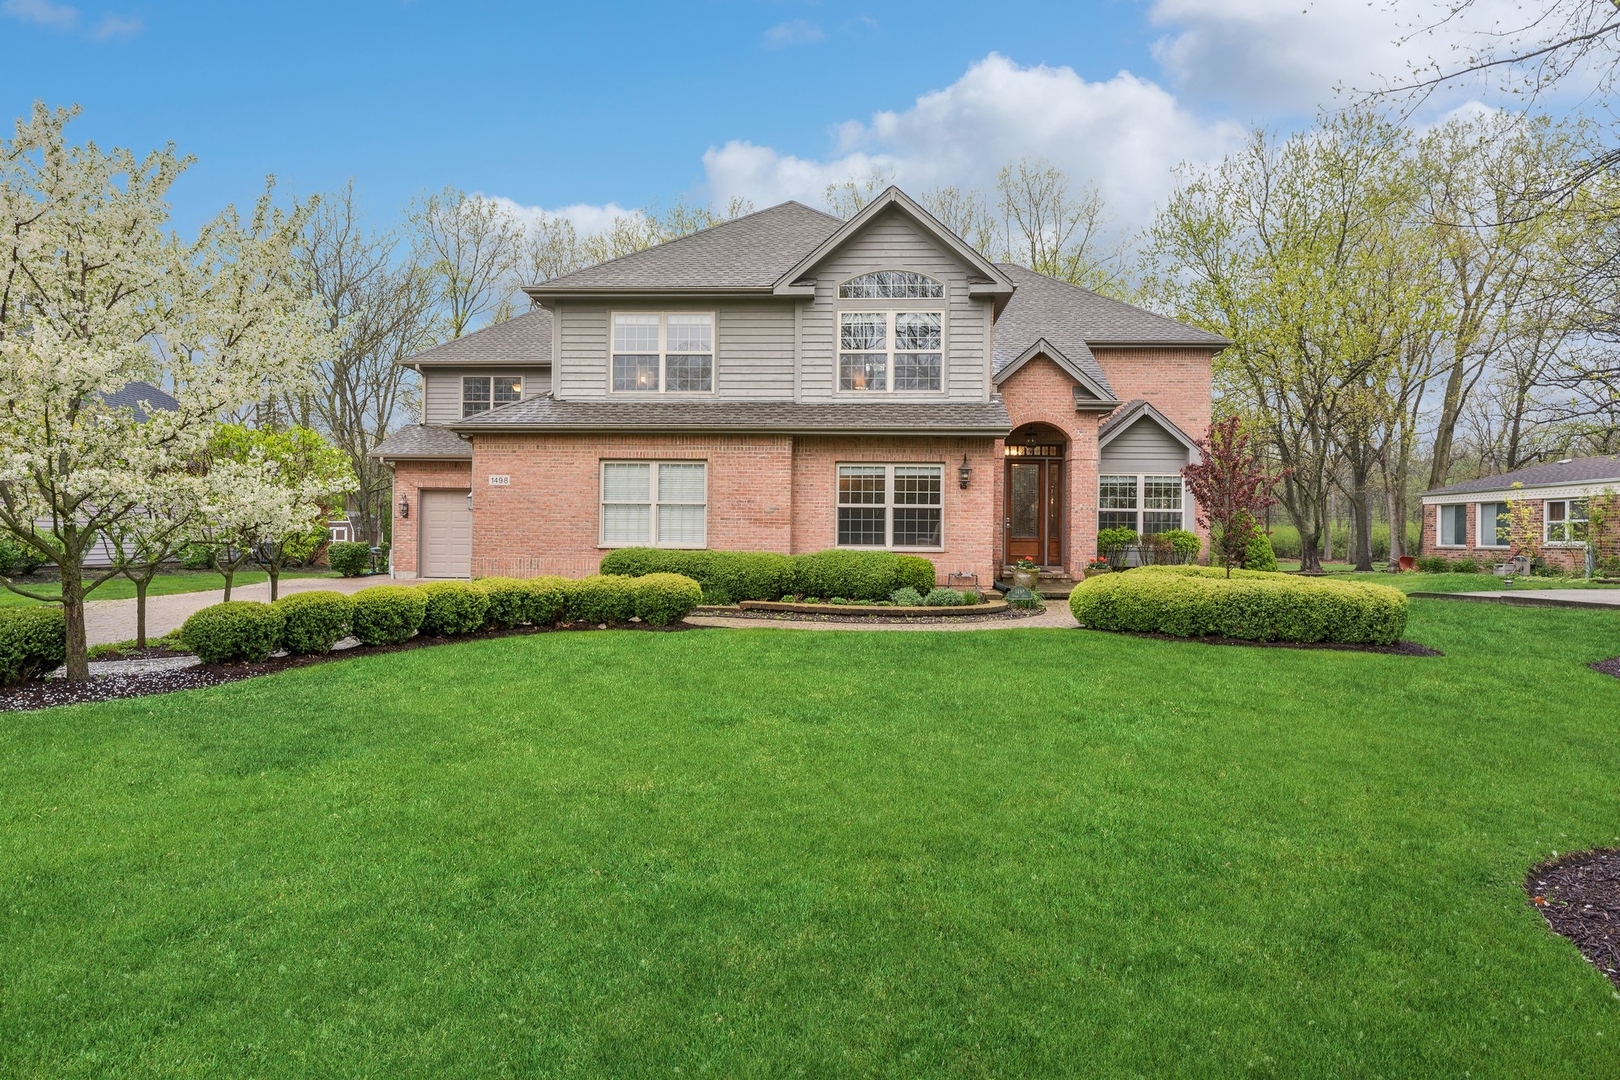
x: 312, y: 622
x: 33, y: 640
x: 730, y: 576
x: 1200, y: 601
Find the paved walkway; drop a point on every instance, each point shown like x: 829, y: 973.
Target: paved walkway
x: 1608, y: 599
x: 107, y: 621
x: 1056, y: 615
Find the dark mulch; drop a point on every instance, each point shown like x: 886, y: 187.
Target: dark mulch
x: 1610, y: 666
x: 150, y: 652
x: 1579, y: 896
x: 46, y: 693
x: 876, y: 619
x: 1400, y: 648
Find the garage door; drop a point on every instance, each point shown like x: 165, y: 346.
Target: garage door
x: 446, y: 535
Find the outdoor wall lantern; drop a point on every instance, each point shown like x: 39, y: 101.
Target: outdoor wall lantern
x: 964, y: 472
x: 404, y: 507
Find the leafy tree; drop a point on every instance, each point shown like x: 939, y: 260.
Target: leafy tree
x: 1231, y: 489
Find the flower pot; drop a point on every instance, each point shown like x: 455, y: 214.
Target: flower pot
x: 1026, y: 578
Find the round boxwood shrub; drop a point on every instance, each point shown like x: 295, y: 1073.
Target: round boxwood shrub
x: 349, y: 558
x: 602, y: 598
x: 547, y: 599
x: 453, y: 608
x: 506, y: 601
x: 33, y: 641
x: 917, y: 573
x: 314, y: 621
x: 662, y: 599
x: 1185, y: 544
x: 235, y: 630
x: 388, y: 614
x: 1200, y: 601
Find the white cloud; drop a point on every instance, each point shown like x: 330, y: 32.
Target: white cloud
x: 793, y: 32
x: 1125, y: 136
x: 41, y: 13
x: 587, y: 218
x: 117, y: 26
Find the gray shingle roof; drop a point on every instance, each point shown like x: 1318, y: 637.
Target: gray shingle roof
x: 1586, y: 470
x: 547, y: 414
x: 749, y: 252
x: 524, y: 339
x: 132, y: 394
x: 1073, y: 319
x: 423, y: 441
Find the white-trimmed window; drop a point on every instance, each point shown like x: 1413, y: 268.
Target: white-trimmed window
x: 1148, y: 504
x: 891, y: 285
x: 897, y: 506
x: 1454, y: 525
x: 480, y: 393
x: 894, y: 349
x: 671, y: 352
x: 655, y: 504
x: 1495, y: 526
x: 1565, y: 521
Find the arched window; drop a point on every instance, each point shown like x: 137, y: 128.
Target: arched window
x: 891, y: 285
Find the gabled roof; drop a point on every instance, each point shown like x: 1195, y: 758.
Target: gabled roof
x: 423, y: 441
x: 1098, y: 394
x: 1129, y: 414
x: 1584, y: 470
x: 750, y: 252
x: 1075, y: 320
x: 546, y: 413
x: 994, y: 281
x: 523, y: 339
x: 132, y: 395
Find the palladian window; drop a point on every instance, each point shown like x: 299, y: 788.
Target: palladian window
x: 901, y: 348
x: 891, y: 285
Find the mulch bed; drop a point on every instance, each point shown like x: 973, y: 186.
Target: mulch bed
x: 150, y: 652
x: 1610, y: 666
x: 1579, y: 896
x: 870, y: 620
x: 1400, y: 648
x: 46, y: 693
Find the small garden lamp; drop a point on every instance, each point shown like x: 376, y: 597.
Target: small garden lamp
x: 404, y: 507
x: 964, y: 472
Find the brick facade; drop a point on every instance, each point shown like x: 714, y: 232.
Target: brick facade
x: 1177, y: 382
x: 1565, y: 558
x: 1040, y: 392
x: 411, y: 478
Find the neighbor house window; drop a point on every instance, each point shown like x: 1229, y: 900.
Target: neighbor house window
x: 1495, y: 525
x: 890, y: 505
x: 1566, y: 521
x: 895, y: 349
x: 655, y: 503
x: 1454, y: 525
x: 480, y: 393
x: 671, y: 352
x: 1146, y: 504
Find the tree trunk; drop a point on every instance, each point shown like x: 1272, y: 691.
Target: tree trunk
x: 140, y: 611
x: 229, y: 570
x: 1361, y: 520
x: 274, y: 570
x: 1450, y: 411
x: 78, y: 659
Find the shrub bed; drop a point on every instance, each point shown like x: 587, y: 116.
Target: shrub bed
x: 312, y: 622
x: 728, y: 577
x: 348, y: 558
x: 548, y: 599
x: 1199, y: 601
x: 601, y: 598
x: 452, y: 608
x: 33, y: 640
x: 388, y: 614
x: 662, y: 599
x: 506, y: 601
x: 235, y: 630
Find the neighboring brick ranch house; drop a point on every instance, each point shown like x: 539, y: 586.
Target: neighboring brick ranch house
x: 789, y: 382
x: 1472, y: 520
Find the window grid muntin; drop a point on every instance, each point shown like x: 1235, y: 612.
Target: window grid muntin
x: 661, y: 352
x: 891, y: 285
x: 890, y: 506
x: 480, y: 393
x: 1564, y: 521
x: 659, y: 498
x: 1147, y: 504
x: 898, y: 349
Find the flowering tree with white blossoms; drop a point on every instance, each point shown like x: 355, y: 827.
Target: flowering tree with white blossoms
x: 96, y: 294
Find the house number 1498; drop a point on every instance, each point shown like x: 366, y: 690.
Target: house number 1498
x: 500, y: 480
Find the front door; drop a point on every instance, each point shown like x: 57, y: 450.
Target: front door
x: 1035, y: 511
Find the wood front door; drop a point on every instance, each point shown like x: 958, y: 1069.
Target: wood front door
x: 1035, y: 511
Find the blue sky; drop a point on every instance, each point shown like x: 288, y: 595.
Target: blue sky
x: 568, y: 105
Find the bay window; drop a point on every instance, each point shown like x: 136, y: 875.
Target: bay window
x: 669, y: 352
x: 654, y: 504
x: 899, y: 506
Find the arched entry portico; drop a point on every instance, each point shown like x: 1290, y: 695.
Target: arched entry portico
x: 1035, y: 512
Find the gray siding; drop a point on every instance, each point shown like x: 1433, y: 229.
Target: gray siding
x: 891, y: 242
x: 753, y: 348
x: 1145, y: 448
x: 441, y: 393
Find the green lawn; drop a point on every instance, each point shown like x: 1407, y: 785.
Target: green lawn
x: 720, y: 853
x: 180, y: 581
x: 1417, y: 581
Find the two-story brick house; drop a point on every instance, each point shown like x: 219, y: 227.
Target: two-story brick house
x: 790, y: 382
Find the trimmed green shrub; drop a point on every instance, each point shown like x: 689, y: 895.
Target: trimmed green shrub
x: 726, y: 576
x: 1109, y: 539
x: 662, y: 599
x: 198, y: 557
x: 349, y: 558
x: 314, y: 621
x: 1199, y: 601
x: 906, y: 597
x: 855, y: 575
x: 507, y: 601
x: 916, y: 572
x: 1433, y: 564
x: 942, y: 597
x: 602, y: 598
x: 16, y: 558
x: 235, y: 630
x: 388, y: 614
x: 33, y: 641
x: 1465, y: 566
x: 1259, y: 555
x: 453, y: 607
x: 1185, y: 544
x: 548, y: 599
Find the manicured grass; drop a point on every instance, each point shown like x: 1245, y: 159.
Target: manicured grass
x: 180, y: 581
x: 1011, y: 853
x: 1417, y: 581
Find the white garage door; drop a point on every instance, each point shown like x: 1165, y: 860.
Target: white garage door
x: 446, y: 535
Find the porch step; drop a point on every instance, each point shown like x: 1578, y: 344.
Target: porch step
x: 1047, y: 586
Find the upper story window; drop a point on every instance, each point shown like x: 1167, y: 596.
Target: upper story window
x: 480, y: 393
x: 891, y: 285
x: 663, y: 352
